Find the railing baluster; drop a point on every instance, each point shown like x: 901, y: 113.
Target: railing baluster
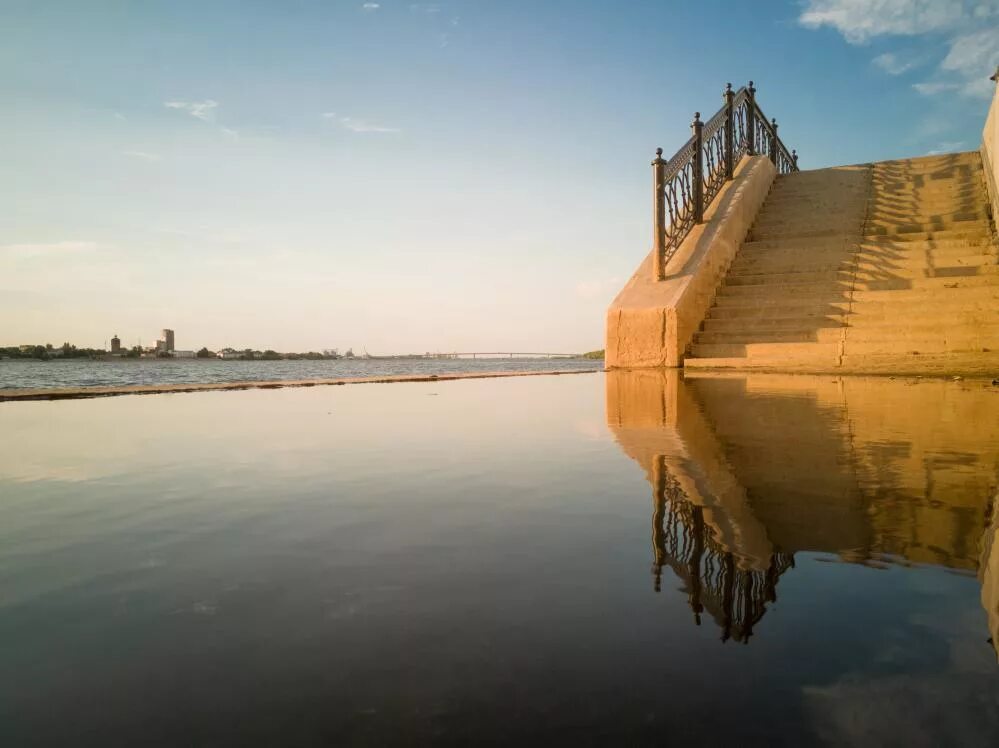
x: 697, y: 126
x: 773, y: 141
x: 729, y: 132
x: 659, y: 213
x: 751, y: 120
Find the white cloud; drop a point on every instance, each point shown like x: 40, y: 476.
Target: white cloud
x: 425, y: 8
x: 52, y: 248
x: 358, y: 125
x: 142, y: 155
x: 891, y: 64
x: 974, y: 57
x: 932, y: 88
x: 370, y: 6
x: 861, y: 20
x: 970, y: 27
x: 947, y: 146
x: 203, y: 110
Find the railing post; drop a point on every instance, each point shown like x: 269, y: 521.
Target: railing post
x: 751, y: 120
x: 773, y: 141
x: 729, y: 132
x: 659, y: 213
x: 698, y: 167
x: 794, y: 159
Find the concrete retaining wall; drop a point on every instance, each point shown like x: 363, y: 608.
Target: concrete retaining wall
x: 651, y: 323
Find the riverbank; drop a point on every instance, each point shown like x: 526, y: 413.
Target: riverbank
x: 79, y: 393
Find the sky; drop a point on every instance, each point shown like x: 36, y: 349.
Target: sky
x: 407, y: 177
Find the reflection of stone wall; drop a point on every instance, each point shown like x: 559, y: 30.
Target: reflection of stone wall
x: 652, y: 415
x: 988, y: 573
x: 862, y: 467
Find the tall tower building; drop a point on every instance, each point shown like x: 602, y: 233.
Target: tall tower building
x: 115, y: 345
x: 168, y: 340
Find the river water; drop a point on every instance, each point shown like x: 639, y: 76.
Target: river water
x: 25, y: 373
x: 609, y: 559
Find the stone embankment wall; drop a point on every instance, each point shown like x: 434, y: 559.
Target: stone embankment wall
x: 990, y: 153
x: 651, y: 323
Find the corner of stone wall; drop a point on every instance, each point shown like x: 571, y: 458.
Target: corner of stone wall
x: 990, y: 157
x: 651, y: 323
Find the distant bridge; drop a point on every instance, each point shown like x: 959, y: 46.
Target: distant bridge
x: 485, y: 354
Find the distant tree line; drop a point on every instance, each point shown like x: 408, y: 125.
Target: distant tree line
x: 47, y: 351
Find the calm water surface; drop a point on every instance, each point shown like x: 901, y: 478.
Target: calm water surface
x: 606, y: 559
x: 21, y: 373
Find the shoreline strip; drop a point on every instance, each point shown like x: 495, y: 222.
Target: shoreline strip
x: 82, y: 393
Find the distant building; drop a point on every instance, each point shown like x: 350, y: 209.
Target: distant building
x: 184, y: 354
x: 115, y: 345
x: 229, y: 353
x: 166, y: 344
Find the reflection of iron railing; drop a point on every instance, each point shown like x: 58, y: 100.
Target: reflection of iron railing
x: 686, y: 184
x: 735, y: 597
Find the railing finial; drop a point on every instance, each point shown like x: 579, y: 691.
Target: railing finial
x: 752, y: 88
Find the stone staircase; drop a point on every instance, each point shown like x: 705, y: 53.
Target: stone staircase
x: 887, y: 267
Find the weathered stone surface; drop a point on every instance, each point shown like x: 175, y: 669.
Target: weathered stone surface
x: 887, y: 268
x: 990, y: 152
x: 651, y: 323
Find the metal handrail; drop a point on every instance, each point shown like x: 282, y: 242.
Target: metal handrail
x: 684, y: 186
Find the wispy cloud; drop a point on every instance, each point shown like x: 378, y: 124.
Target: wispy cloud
x: 51, y: 248
x: 425, y: 8
x: 929, y: 88
x: 370, y: 6
x: 971, y: 28
x: 142, y: 155
x: 358, y: 125
x: 891, y: 64
x: 203, y: 110
x: 947, y: 146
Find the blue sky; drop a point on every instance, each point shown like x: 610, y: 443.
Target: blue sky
x: 403, y: 176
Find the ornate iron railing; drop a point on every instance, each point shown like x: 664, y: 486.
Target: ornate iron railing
x: 685, y: 185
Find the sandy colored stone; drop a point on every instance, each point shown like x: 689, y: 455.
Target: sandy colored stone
x: 651, y: 322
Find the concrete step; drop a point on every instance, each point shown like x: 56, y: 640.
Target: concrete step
x: 860, y: 301
x: 956, y: 157
x: 832, y: 287
x: 955, y: 191
x: 832, y: 243
x: 898, y: 216
x: 931, y: 336
x: 821, y: 295
x: 881, y: 226
x: 863, y: 317
x: 966, y: 363
x: 789, y: 261
x: 862, y: 273
x: 789, y: 352
x: 974, y: 231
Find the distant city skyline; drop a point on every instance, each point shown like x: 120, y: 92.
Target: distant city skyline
x: 400, y: 176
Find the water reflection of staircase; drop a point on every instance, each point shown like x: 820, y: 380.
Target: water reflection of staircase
x: 748, y: 469
x: 736, y: 597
